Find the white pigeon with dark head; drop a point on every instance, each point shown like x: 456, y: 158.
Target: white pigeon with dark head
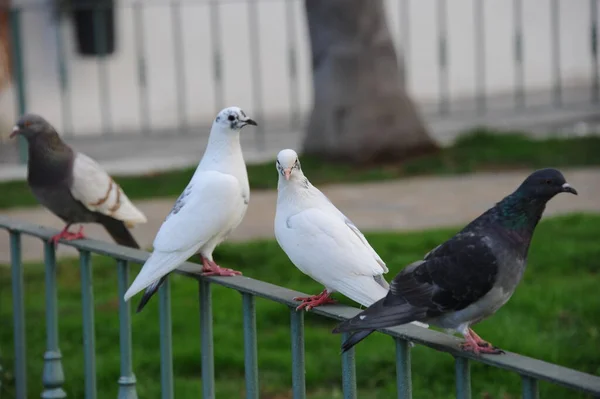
x: 212, y: 205
x: 469, y: 277
x: 322, y: 242
x: 73, y: 186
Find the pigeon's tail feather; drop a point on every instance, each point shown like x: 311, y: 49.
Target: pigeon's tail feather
x: 158, y: 265
x: 118, y: 231
x: 380, y: 316
x: 151, y: 290
x: 355, y: 339
x: 362, y: 289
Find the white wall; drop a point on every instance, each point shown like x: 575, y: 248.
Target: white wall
x: 43, y: 94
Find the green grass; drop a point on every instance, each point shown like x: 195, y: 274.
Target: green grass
x: 480, y: 150
x: 553, y: 316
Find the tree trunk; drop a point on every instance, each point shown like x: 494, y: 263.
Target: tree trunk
x: 361, y: 112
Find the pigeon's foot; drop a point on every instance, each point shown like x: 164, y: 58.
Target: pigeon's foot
x: 309, y: 302
x: 480, y: 342
x: 473, y: 343
x: 210, y: 268
x: 66, y: 235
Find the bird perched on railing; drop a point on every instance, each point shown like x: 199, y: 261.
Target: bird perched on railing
x: 73, y: 186
x: 322, y: 242
x: 469, y: 277
x: 212, y: 205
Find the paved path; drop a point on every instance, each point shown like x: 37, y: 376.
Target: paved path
x: 408, y: 204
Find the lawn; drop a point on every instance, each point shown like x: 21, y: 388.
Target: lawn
x: 553, y: 316
x: 477, y: 151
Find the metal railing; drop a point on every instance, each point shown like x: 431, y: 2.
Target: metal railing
x: 530, y: 370
x: 295, y: 88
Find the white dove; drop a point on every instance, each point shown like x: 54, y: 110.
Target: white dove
x: 322, y: 242
x: 212, y: 205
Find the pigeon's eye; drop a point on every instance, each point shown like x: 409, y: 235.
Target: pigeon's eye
x: 548, y: 181
x: 231, y: 118
x: 27, y: 123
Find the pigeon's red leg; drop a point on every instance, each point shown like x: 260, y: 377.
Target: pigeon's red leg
x: 473, y: 343
x: 210, y: 268
x: 309, y: 302
x: 66, y: 235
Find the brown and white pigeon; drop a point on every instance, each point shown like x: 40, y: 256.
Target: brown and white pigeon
x: 469, y: 277
x: 73, y: 186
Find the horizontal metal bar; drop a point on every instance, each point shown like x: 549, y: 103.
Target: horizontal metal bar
x: 523, y: 365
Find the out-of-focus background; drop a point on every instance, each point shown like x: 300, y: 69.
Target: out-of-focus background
x: 413, y: 116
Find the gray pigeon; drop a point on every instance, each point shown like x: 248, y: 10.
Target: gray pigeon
x: 73, y: 186
x: 470, y: 276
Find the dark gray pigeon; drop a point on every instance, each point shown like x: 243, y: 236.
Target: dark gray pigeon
x: 73, y: 186
x: 470, y: 276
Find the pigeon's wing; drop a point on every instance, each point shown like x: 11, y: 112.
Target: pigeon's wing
x: 363, y: 239
x: 455, y: 275
x: 327, y: 249
x: 98, y: 192
x: 203, y: 211
x: 355, y: 229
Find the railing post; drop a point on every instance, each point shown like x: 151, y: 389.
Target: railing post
x: 206, y: 332
x: 463, y: 377
x: 89, y: 338
x: 166, y: 341
x: 530, y: 388
x: 250, y: 349
x: 403, y: 378
x: 18, y: 315
x: 53, y: 376
x: 348, y: 371
x: 127, y: 379
x: 16, y: 44
x: 298, y: 372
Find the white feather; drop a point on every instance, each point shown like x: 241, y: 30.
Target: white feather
x: 322, y: 242
x: 205, y: 219
x: 207, y: 211
x: 98, y: 192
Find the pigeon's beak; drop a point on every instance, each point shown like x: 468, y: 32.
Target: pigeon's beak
x: 15, y: 131
x: 287, y: 172
x: 568, y: 189
x: 250, y: 122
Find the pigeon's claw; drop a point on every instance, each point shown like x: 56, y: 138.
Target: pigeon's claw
x: 309, y: 302
x: 66, y: 235
x: 480, y: 342
x: 210, y: 268
x: 473, y: 343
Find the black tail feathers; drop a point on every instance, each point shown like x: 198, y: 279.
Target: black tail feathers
x: 118, y: 231
x: 150, y: 291
x: 355, y: 339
